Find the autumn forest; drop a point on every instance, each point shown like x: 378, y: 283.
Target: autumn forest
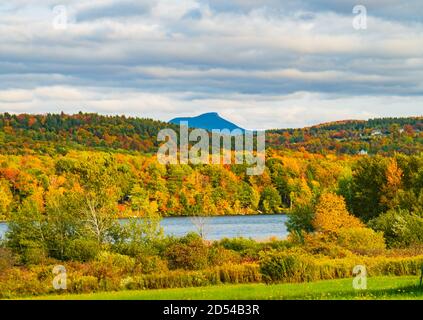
x: 352, y: 190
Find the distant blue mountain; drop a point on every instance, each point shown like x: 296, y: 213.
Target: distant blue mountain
x: 208, y: 121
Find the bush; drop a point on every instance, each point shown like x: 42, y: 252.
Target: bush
x: 244, y: 273
x: 33, y: 253
x: 120, y: 263
x: 300, y: 220
x: 361, y: 240
x: 83, y: 284
x: 400, y: 227
x: 238, y: 244
x: 324, y: 244
x: 248, y: 248
x: 239, y: 273
x: 82, y: 250
x: 190, y: 253
x: 109, y: 268
x: 287, y: 266
x: 22, y: 282
x: 219, y: 256
x: 298, y: 266
x: 7, y: 259
x: 150, y: 264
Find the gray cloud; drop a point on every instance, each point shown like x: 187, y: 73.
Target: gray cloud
x: 239, y: 57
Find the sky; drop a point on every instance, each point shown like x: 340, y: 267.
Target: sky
x: 261, y: 64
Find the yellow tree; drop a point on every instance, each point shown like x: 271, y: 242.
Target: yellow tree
x: 6, y: 199
x: 393, y: 183
x: 331, y: 215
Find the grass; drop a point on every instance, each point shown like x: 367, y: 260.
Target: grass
x: 405, y: 287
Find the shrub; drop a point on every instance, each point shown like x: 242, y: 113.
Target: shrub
x: 150, y: 264
x: 108, y: 268
x: 324, y: 244
x: 33, y: 253
x: 83, y: 284
x: 286, y: 266
x: 82, y: 250
x: 42, y: 272
x: 248, y: 248
x: 120, y: 263
x: 400, y: 227
x: 300, y: 220
x: 297, y: 266
x: 189, y: 253
x: 7, y: 259
x: 361, y: 240
x: 219, y: 256
x: 244, y: 273
x: 239, y: 273
x: 22, y: 282
x: 278, y: 244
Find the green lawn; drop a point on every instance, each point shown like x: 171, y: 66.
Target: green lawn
x: 377, y: 288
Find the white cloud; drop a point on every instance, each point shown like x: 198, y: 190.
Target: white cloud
x: 250, y: 111
x: 262, y: 63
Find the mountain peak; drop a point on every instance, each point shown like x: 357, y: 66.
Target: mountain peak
x: 210, y: 114
x: 208, y: 121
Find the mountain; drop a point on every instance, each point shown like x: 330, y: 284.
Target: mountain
x: 207, y: 121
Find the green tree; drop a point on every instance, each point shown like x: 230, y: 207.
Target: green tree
x: 401, y: 228
x: 270, y: 201
x: 367, y: 186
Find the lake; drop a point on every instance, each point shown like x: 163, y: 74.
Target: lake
x: 258, y: 227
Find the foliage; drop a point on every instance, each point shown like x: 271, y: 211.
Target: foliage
x: 57, y: 133
x: 289, y: 266
x: 298, y: 266
x: 7, y: 260
x: 189, y: 252
x: 383, y: 136
x: 361, y: 240
x: 71, y: 227
x: 270, y: 200
x: 250, y: 249
x: 331, y: 215
x: 401, y: 228
x: 150, y: 264
x: 82, y: 250
x: 6, y: 200
x: 138, y: 236
x: 219, y: 256
x: 300, y: 220
x: 65, y: 179
x: 369, y: 179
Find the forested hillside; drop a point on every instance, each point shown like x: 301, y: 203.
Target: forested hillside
x: 43, y: 158
x: 59, y: 133
x: 376, y: 136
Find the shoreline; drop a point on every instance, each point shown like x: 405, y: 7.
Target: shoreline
x: 211, y: 216
x: 216, y: 216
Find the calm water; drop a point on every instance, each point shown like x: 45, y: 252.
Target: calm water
x: 257, y: 227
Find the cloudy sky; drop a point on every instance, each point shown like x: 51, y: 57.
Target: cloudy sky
x: 261, y: 64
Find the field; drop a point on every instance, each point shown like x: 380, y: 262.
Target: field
x: 406, y: 287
